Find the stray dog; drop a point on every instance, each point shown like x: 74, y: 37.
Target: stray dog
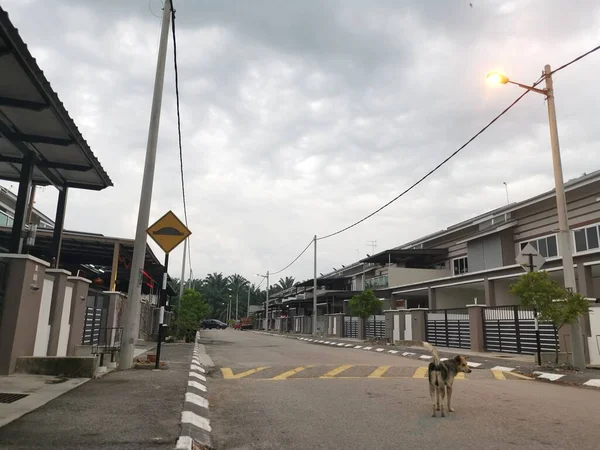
x: 441, y: 378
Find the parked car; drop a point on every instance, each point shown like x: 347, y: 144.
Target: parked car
x: 213, y: 323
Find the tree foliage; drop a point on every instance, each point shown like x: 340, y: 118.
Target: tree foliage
x: 189, y: 313
x: 365, y: 304
x: 553, y: 302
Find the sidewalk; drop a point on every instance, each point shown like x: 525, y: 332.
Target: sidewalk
x: 501, y: 362
x: 131, y: 409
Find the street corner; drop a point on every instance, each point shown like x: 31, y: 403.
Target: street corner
x: 196, y: 431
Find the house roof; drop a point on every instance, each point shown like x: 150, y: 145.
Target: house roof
x: 397, y: 255
x: 33, y: 120
x: 570, y: 185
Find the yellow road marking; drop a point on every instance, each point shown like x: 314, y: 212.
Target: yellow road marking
x: 228, y: 373
x: 421, y: 372
x: 498, y: 374
x: 289, y: 373
x: 379, y: 372
x: 460, y: 376
x: 336, y: 371
x: 518, y: 375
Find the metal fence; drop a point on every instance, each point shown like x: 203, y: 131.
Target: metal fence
x: 351, y: 327
x: 376, y: 327
x: 511, y: 329
x: 449, y: 328
x: 92, y: 325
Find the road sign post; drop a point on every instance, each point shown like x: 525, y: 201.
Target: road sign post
x: 168, y: 232
x: 531, y: 260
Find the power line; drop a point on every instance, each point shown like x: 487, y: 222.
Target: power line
x: 179, y: 131
x: 576, y: 59
x: 295, y: 259
x: 432, y: 171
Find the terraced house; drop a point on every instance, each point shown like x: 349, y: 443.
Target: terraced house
x: 473, y: 262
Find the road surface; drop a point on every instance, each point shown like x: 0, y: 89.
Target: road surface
x: 271, y: 392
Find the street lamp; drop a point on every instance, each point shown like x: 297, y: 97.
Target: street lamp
x: 267, y: 302
x: 564, y: 236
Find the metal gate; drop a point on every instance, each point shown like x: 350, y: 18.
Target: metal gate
x: 351, y: 327
x: 95, y: 318
x: 449, y: 328
x: 511, y: 329
x: 376, y: 327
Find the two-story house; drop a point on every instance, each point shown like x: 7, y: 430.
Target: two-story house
x: 474, y: 261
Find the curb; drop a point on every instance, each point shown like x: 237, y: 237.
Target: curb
x: 491, y: 364
x: 196, y: 432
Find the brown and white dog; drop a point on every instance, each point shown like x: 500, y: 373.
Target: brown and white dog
x: 441, y: 376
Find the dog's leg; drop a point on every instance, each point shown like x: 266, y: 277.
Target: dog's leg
x: 432, y: 394
x: 442, y: 395
x: 450, y: 408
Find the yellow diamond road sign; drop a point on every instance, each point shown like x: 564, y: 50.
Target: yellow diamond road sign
x: 168, y: 232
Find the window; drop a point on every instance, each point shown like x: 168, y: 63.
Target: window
x: 461, y: 265
x: 377, y: 282
x: 587, y: 238
x: 547, y: 246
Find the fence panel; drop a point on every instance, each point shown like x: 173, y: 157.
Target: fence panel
x: 92, y: 325
x: 449, y: 328
x: 351, y: 327
x: 376, y: 327
x: 511, y: 329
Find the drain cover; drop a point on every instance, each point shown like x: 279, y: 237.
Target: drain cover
x: 7, y: 397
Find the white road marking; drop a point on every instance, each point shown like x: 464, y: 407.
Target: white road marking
x: 393, y: 352
x: 379, y: 350
x: 198, y: 368
x: 196, y: 420
x: 473, y: 364
x: 503, y: 369
x: 595, y: 382
x: 197, y: 375
x: 197, y: 385
x: 348, y: 345
x: 327, y: 342
x: 368, y: 348
x: 184, y: 443
x: 425, y: 356
x: 548, y: 376
x: 341, y: 344
x: 443, y: 359
x: 408, y: 354
x: 196, y: 399
x: 358, y: 346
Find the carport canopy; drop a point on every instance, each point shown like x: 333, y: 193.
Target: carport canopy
x: 39, y: 142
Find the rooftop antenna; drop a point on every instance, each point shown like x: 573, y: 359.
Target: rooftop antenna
x: 373, y: 245
x: 506, y: 188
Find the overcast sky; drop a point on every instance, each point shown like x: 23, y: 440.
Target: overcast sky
x: 299, y: 118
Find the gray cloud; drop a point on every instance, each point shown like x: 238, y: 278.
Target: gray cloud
x: 301, y: 117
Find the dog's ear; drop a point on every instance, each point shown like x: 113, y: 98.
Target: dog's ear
x: 457, y: 359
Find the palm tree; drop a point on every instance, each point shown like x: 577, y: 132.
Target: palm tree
x: 237, y: 285
x: 286, y: 284
x: 215, y: 289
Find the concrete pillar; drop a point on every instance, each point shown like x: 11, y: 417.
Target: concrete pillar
x: 476, y: 328
x: 113, y: 317
x: 432, y: 301
x: 419, y: 324
x: 78, y: 305
x: 60, y: 307
x: 23, y: 286
x: 490, y: 292
x: 346, y: 308
x: 339, y: 325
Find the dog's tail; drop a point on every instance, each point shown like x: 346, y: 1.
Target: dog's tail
x: 431, y: 349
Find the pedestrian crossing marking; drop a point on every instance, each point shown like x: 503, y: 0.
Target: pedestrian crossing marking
x: 336, y: 371
x: 228, y: 373
x: 498, y: 374
x: 379, y: 372
x: 289, y: 373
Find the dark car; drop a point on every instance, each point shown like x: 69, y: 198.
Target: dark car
x: 213, y: 323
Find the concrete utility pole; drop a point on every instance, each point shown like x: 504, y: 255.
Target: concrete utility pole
x: 132, y: 305
x: 564, y: 235
x: 182, y: 281
x: 314, y: 315
x: 267, y: 303
x: 248, y: 310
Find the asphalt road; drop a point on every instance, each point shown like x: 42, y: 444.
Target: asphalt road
x: 277, y: 393
x: 124, y: 410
